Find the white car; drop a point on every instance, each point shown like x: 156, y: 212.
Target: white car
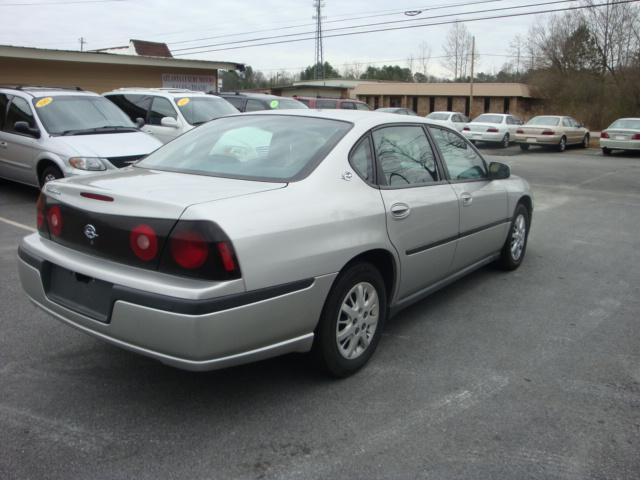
x: 454, y: 120
x: 623, y: 134
x: 167, y: 113
x: 493, y: 128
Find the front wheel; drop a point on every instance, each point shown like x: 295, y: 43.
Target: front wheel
x: 351, y: 321
x: 515, y: 246
x: 49, y: 174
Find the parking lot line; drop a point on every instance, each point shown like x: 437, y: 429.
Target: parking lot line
x: 16, y: 224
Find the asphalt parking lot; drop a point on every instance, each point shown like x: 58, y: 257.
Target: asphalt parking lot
x: 530, y: 374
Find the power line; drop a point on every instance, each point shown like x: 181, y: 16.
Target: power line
x: 64, y: 2
x: 372, y: 24
x: 447, y: 22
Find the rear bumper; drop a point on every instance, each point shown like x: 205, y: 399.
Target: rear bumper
x: 619, y: 144
x: 195, y: 334
x: 484, y: 136
x: 538, y: 139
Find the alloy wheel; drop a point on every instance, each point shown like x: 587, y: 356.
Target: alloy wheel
x: 518, y: 237
x: 357, y: 320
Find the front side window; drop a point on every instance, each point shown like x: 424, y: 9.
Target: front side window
x: 405, y: 156
x: 80, y: 115
x: 3, y: 108
x: 462, y: 161
x: 252, y: 147
x: 160, y: 108
x: 566, y: 122
x: 199, y: 110
x: 362, y: 159
x: 19, y: 111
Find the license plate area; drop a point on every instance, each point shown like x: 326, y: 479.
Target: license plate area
x: 620, y: 137
x: 82, y: 294
x: 532, y: 140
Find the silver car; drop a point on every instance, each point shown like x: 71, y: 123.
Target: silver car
x: 492, y: 128
x: 623, y: 134
x: 49, y: 133
x: 261, y: 234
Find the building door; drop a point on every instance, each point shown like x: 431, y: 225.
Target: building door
x: 432, y: 104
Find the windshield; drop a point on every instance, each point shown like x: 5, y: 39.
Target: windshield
x: 630, y: 123
x: 252, y: 147
x: 489, y: 119
x: 197, y: 110
x: 82, y: 113
x: 549, y: 121
x: 286, y: 104
x: 438, y: 116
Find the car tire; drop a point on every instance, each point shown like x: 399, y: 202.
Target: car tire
x: 562, y: 146
x: 49, y: 174
x: 359, y: 289
x: 606, y: 151
x: 524, y: 147
x: 515, y: 245
x: 585, y: 141
x: 505, y: 141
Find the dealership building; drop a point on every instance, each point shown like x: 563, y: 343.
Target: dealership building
x: 139, y: 64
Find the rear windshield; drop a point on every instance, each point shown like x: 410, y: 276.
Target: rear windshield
x: 252, y: 147
x: 630, y: 123
x: 82, y: 113
x: 489, y: 119
x: 547, y: 121
x: 198, y: 110
x: 438, y: 116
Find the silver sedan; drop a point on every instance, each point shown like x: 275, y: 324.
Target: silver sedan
x: 261, y: 234
x: 623, y: 134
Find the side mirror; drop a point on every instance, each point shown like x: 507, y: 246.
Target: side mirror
x: 24, y: 128
x: 499, y: 171
x: 169, y: 122
x: 139, y: 122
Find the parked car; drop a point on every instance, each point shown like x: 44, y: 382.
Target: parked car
x: 167, y: 113
x: 492, y: 128
x: 209, y: 253
x: 397, y: 110
x: 339, y: 103
x: 455, y: 120
x: 623, y: 134
x: 49, y: 133
x: 552, y: 131
x: 253, y: 102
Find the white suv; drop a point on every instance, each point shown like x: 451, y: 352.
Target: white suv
x: 48, y: 133
x: 168, y: 112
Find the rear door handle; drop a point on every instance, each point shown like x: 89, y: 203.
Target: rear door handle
x: 467, y: 199
x: 400, y: 210
x: 3, y: 145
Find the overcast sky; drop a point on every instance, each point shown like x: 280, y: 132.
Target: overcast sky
x: 60, y: 23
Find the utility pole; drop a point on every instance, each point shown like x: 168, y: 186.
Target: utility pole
x: 473, y: 61
x: 319, y: 65
x: 82, y: 42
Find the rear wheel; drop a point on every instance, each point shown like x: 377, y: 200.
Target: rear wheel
x: 505, y: 141
x: 49, y: 174
x: 351, y: 321
x: 515, y: 246
x: 606, y: 151
x: 524, y: 147
x: 562, y: 146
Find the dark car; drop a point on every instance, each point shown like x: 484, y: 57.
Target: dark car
x: 398, y: 110
x: 339, y: 103
x: 252, y: 102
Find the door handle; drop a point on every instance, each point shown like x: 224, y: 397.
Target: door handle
x: 467, y: 199
x: 3, y: 144
x: 400, y: 210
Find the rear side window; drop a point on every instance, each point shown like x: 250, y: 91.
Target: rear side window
x: 135, y: 106
x: 3, y: 108
x: 404, y: 156
x: 160, y: 108
x: 254, y: 105
x: 362, y: 159
x: 323, y: 103
x: 304, y: 100
x: 461, y: 160
x: 19, y: 111
x: 251, y: 147
x: 348, y: 105
x: 362, y: 106
x: 235, y: 101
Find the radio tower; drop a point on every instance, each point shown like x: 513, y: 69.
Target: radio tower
x: 319, y: 65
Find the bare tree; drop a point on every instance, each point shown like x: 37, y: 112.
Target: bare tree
x: 457, y: 51
x: 517, y: 52
x: 424, y: 58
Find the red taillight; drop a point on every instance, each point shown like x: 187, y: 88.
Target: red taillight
x: 604, y: 135
x: 548, y: 132
x: 54, y: 220
x: 635, y: 136
x: 144, y: 242
x: 189, y: 249
x: 96, y: 196
x: 466, y: 129
x: 492, y: 130
x: 226, y: 255
x: 519, y: 130
x: 40, y: 212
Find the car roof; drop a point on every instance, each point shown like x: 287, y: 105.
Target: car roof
x: 250, y: 95
x: 169, y: 92
x: 42, y: 91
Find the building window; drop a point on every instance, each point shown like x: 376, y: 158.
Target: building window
x: 415, y: 104
x: 487, y: 104
x: 449, y: 104
x: 432, y: 104
x: 467, y: 106
x: 506, y: 104
x: 395, y: 102
x: 376, y: 103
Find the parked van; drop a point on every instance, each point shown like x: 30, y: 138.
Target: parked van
x: 48, y: 133
x: 339, y: 103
